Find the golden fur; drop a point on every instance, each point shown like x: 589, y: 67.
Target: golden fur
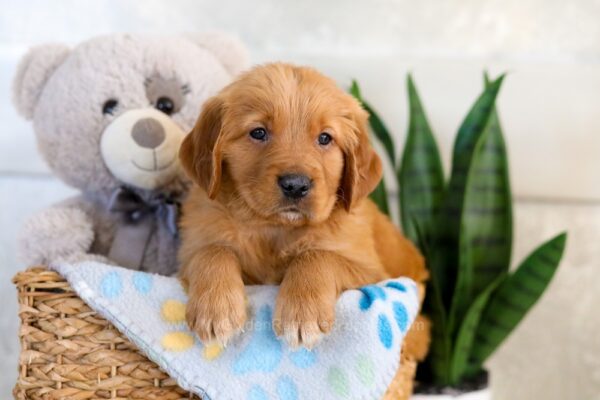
x: 238, y: 229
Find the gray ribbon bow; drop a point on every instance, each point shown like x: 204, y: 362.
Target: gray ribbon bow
x: 140, y: 218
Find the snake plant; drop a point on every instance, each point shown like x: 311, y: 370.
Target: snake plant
x: 463, y: 226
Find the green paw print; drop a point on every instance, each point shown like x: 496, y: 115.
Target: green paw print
x: 338, y: 379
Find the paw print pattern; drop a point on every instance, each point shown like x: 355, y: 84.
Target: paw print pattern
x: 111, y: 285
x: 173, y: 312
x: 364, y: 371
x: 267, y: 368
x: 264, y: 352
x: 372, y: 293
x: 339, y: 379
x: 303, y: 358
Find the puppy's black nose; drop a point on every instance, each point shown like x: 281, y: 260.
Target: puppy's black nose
x: 294, y: 186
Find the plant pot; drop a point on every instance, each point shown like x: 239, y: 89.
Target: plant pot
x: 483, y: 394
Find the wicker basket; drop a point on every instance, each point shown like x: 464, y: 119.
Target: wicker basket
x: 70, y: 352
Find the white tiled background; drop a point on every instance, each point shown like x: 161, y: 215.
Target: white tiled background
x: 550, y: 107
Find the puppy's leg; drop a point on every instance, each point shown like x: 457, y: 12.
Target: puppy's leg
x: 305, y: 308
x: 216, y: 309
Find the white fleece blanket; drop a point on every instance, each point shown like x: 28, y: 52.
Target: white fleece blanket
x: 357, y: 360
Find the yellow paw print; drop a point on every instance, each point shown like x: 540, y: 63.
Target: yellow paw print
x: 212, y: 351
x: 177, y: 341
x: 173, y: 312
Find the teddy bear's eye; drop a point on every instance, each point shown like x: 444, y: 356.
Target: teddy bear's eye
x: 110, y: 106
x: 165, y: 105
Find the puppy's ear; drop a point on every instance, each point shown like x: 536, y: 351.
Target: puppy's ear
x: 362, y: 165
x: 200, y: 153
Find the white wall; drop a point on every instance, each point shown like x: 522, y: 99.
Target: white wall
x: 550, y: 107
x: 551, y: 99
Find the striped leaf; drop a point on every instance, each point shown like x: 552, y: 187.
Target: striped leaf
x: 492, y: 237
x: 420, y: 177
x: 467, y: 138
x: 467, y: 330
x: 475, y: 125
x: 471, y: 128
x: 377, y: 126
x: 440, y: 351
x: 515, y: 297
x: 485, y: 237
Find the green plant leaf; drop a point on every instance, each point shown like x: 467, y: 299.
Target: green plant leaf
x: 474, y: 126
x: 379, y: 197
x: 485, y: 237
x: 471, y: 128
x: 515, y: 297
x: 440, y: 351
x: 377, y: 126
x: 467, y: 330
x: 421, y: 186
x: 491, y: 238
x: 420, y: 177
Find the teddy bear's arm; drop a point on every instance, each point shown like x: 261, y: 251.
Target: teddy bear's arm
x: 61, y: 233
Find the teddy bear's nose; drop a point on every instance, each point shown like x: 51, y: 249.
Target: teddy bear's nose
x: 148, y: 133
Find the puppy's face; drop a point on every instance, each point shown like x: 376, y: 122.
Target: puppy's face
x: 291, y: 144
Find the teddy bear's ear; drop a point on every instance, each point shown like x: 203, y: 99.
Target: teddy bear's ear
x: 228, y: 49
x: 33, y: 72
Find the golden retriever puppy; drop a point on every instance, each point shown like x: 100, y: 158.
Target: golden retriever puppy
x: 283, y: 166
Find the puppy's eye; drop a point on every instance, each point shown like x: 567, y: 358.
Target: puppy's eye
x: 325, y: 138
x: 259, y: 134
x: 165, y: 105
x: 110, y: 106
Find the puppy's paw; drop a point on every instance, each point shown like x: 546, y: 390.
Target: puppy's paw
x: 302, y: 321
x: 217, y: 316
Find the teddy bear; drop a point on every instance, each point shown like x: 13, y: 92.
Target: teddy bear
x: 109, y: 116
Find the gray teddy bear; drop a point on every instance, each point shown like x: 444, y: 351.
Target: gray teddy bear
x: 109, y: 116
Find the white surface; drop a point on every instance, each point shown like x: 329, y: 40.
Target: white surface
x: 550, y: 107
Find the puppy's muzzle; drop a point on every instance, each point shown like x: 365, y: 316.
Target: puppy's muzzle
x: 294, y: 186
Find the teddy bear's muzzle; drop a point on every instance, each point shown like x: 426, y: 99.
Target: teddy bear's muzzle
x: 140, y: 148
x: 148, y: 133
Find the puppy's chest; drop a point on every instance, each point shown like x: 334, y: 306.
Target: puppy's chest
x: 264, y: 255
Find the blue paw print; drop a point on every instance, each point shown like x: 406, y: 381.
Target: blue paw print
x: 142, y: 282
x: 286, y: 389
x: 111, y: 285
x: 264, y: 352
x: 384, y: 328
x: 372, y: 293
x: 303, y: 358
x: 397, y: 286
x: 400, y: 315
x: 257, y: 393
